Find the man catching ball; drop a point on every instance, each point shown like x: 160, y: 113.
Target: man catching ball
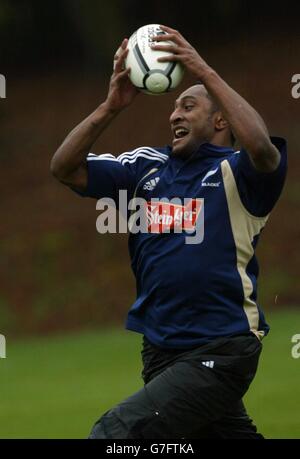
x: 196, y: 304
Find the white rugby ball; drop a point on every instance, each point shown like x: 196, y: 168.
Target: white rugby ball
x: 147, y: 73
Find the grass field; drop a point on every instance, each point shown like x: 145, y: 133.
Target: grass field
x: 56, y: 387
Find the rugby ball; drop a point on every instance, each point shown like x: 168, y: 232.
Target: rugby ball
x: 147, y: 74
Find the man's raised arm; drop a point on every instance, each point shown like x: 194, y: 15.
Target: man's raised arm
x: 246, y: 124
x: 69, y: 162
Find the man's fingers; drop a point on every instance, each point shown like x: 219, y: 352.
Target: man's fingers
x: 121, y: 49
x: 117, y: 55
x: 121, y: 75
x: 171, y: 35
x: 170, y: 48
x: 169, y: 58
x: 119, y: 52
x: 122, y: 46
x: 119, y: 59
x: 124, y: 43
x: 165, y: 37
x: 167, y: 29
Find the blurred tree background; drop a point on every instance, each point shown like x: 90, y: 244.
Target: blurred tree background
x: 56, y: 272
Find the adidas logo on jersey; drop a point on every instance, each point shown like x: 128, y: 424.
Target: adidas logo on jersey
x: 149, y: 186
x: 209, y: 363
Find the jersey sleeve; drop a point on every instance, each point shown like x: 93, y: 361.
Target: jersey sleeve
x: 259, y: 191
x: 107, y: 174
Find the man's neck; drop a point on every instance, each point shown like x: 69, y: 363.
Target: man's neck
x: 220, y: 142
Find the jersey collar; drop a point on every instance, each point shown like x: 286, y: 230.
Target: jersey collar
x: 210, y: 149
x: 207, y: 150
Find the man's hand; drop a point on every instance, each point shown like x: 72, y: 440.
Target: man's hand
x: 121, y: 91
x: 181, y: 51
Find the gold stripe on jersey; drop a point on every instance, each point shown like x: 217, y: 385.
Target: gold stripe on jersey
x: 244, y: 228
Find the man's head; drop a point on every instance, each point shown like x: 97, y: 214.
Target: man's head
x: 197, y: 119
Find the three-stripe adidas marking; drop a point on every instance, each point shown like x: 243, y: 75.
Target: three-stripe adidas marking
x: 143, y: 152
x: 105, y: 157
x: 131, y: 157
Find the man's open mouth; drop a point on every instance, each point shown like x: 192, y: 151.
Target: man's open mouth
x: 180, y: 132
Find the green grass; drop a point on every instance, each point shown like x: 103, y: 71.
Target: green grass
x: 56, y: 387
x: 273, y: 399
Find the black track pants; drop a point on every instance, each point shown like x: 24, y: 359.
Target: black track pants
x: 188, y: 394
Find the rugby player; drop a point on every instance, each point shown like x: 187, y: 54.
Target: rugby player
x: 196, y: 304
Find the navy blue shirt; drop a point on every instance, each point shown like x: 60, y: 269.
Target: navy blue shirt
x: 189, y: 294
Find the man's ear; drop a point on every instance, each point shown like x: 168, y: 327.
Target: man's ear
x: 220, y: 122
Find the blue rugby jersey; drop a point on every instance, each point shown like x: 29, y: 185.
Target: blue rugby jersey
x: 189, y: 294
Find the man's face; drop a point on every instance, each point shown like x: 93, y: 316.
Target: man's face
x: 191, y: 121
